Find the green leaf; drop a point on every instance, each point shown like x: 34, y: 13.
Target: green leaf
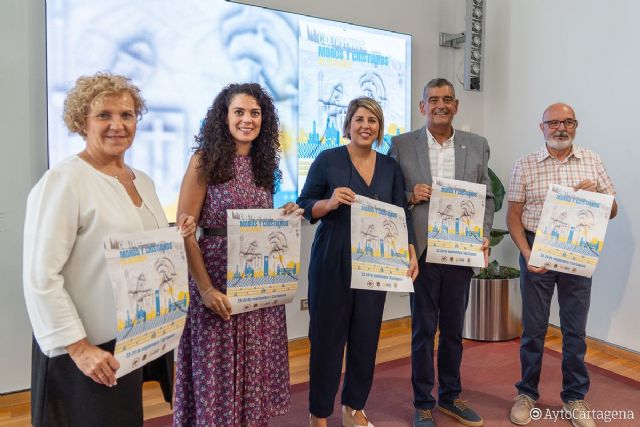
x: 495, y: 240
x: 497, y: 232
x: 496, y: 236
x: 496, y: 271
x: 497, y: 189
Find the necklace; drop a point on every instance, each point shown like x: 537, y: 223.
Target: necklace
x: 100, y: 167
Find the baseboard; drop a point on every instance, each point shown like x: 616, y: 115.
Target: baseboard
x: 603, y: 346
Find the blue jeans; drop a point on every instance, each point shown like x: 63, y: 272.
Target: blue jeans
x: 574, y: 296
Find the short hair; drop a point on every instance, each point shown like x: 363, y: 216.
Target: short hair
x: 437, y: 82
x: 90, y: 89
x: 371, y: 105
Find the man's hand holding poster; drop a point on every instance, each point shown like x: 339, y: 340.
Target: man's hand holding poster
x: 455, y: 229
x: 570, y: 234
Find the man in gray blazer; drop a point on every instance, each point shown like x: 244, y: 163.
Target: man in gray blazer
x: 441, y: 291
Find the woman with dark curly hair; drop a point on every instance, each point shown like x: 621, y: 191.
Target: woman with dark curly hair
x: 232, y: 370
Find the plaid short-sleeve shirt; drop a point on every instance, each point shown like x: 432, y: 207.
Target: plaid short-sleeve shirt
x: 532, y: 174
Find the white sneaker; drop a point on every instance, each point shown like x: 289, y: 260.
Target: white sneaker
x: 348, y: 418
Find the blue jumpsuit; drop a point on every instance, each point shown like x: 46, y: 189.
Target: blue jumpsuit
x: 338, y: 314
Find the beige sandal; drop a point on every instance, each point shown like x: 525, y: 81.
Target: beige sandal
x: 348, y: 418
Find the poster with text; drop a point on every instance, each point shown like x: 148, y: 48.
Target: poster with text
x: 149, y: 276
x: 455, y: 229
x: 338, y: 63
x: 379, y: 246
x: 263, y: 258
x: 570, y: 234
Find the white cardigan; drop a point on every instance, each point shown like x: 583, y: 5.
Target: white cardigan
x: 67, y: 288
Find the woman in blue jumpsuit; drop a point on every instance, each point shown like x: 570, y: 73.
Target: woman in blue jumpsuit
x: 340, y: 315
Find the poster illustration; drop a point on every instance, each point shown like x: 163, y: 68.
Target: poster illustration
x: 148, y: 273
x: 379, y: 246
x: 338, y: 63
x: 263, y: 258
x: 571, y: 231
x: 455, y: 229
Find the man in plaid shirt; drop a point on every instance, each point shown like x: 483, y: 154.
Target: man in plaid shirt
x: 559, y: 161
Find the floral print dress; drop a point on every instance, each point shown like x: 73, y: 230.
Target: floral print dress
x: 236, y: 372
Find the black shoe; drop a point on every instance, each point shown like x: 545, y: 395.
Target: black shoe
x: 423, y: 418
x: 459, y: 410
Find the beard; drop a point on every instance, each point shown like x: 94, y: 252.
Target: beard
x: 559, y: 144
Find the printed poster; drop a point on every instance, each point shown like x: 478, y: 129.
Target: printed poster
x: 338, y: 63
x: 379, y: 246
x: 456, y: 217
x: 149, y: 276
x: 263, y: 258
x: 570, y: 234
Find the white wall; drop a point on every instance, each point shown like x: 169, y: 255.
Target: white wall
x: 582, y: 53
x: 23, y: 159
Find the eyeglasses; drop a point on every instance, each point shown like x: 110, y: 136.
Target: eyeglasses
x: 568, y: 123
x: 126, y: 117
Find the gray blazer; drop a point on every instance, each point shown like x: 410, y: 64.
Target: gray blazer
x: 411, y: 152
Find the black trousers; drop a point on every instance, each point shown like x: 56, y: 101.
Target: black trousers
x: 341, y: 316
x: 61, y: 395
x: 439, y: 300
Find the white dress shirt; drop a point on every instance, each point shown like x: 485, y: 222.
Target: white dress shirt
x: 441, y: 157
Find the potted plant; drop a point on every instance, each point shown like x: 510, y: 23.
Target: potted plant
x: 494, y: 312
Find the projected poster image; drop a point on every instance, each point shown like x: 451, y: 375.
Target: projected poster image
x: 338, y: 63
x: 181, y: 54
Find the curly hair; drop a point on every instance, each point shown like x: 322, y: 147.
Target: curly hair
x: 91, y: 89
x: 217, y: 149
x: 371, y: 105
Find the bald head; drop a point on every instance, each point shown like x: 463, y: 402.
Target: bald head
x: 558, y: 108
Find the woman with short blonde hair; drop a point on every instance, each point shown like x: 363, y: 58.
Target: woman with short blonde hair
x: 67, y: 288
